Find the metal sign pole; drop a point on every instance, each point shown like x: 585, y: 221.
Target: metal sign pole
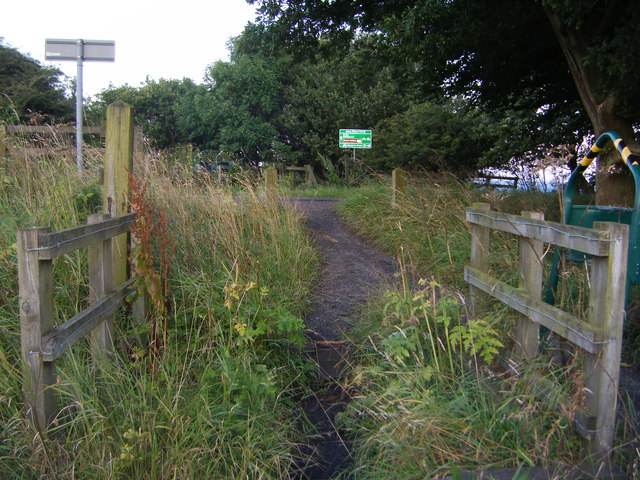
x: 79, y: 115
x: 79, y: 50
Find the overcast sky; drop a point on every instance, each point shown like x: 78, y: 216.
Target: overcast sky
x: 155, y: 38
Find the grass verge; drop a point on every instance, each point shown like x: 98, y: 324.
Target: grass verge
x: 214, y: 401
x: 432, y: 392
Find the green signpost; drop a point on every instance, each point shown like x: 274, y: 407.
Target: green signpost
x: 354, y: 138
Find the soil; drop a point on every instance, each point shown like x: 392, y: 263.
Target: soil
x: 352, y: 271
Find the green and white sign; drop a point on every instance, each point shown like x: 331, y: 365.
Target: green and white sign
x: 353, y: 138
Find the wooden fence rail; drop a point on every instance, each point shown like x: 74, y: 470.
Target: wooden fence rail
x: 42, y: 342
x: 309, y: 176
x: 599, y: 336
x: 105, y: 236
x: 7, y: 130
x: 54, y: 129
x: 496, y: 181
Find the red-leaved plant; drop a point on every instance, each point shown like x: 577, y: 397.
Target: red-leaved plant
x: 151, y: 265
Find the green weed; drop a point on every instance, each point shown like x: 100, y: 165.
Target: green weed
x: 424, y: 405
x: 434, y: 392
x: 216, y: 403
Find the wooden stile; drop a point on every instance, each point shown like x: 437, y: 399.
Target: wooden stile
x: 43, y: 342
x: 600, y: 336
x: 309, y: 176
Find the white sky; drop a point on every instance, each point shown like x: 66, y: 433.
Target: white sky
x: 155, y: 38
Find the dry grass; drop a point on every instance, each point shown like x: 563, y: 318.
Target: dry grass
x: 215, y: 405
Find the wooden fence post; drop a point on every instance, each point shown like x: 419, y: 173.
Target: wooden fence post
x: 138, y: 142
x: 606, y: 307
x: 3, y: 140
x: 479, y: 259
x: 36, y: 321
x: 310, y: 178
x: 271, y: 180
x: 118, y: 166
x: 398, y: 185
x: 101, y: 284
x: 528, y: 332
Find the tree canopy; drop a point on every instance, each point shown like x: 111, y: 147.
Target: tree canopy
x: 444, y: 84
x: 155, y: 104
x: 30, y: 91
x: 493, y: 50
x: 551, y: 71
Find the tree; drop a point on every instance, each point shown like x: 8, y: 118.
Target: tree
x: 247, y: 94
x: 353, y: 90
x: 435, y: 137
x: 600, y: 43
x: 519, y: 57
x: 30, y: 91
x: 155, y: 107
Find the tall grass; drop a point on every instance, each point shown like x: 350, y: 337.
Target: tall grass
x: 216, y: 403
x: 427, y: 229
x: 431, y: 396
x: 430, y: 399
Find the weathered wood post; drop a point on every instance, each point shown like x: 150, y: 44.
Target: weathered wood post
x: 606, y: 308
x: 36, y: 321
x: 528, y: 332
x: 118, y: 166
x: 398, y: 185
x: 138, y: 142
x: 479, y: 259
x: 3, y: 140
x: 310, y: 178
x: 271, y: 181
x: 101, y: 284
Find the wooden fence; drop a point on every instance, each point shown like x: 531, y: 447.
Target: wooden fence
x: 599, y: 337
x: 496, y: 181
x: 271, y: 177
x: 42, y: 342
x: 398, y: 185
x: 7, y: 130
x: 106, y: 237
x: 309, y: 176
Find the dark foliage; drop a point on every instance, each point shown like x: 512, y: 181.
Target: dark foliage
x: 29, y: 91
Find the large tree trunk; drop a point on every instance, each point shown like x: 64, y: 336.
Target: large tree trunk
x: 614, y: 184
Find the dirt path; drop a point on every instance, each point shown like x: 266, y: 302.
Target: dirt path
x: 352, y: 270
